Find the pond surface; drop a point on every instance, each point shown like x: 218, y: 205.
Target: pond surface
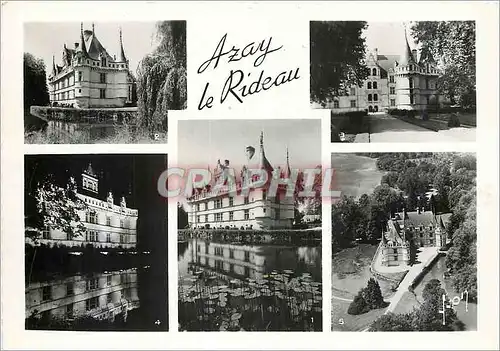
x: 107, y: 300
x: 233, y: 287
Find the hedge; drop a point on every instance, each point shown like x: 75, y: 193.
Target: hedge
x: 92, y: 115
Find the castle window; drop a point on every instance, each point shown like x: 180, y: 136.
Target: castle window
x: 426, y: 83
x: 198, y: 219
x: 392, y: 90
x: 46, y: 232
x: 391, y: 79
x: 108, y: 220
x: 108, y: 280
x: 122, y: 223
x: 353, y: 91
x: 369, y: 85
x: 231, y: 215
x: 92, y: 284
x: 103, y: 61
x: 109, y: 299
x: 335, y: 103
x: 69, y: 310
x: 246, y: 214
x: 231, y: 201
x: 395, y: 251
x: 411, y: 99
x: 91, y: 303
x: 102, y: 93
x: 93, y: 63
x: 264, y: 195
x: 369, y: 97
x: 393, y: 102
x: 46, y: 293
x: 374, y: 85
x: 79, y: 90
x: 108, y: 237
x: 375, y: 97
x: 353, y: 103
x: 206, y: 218
x: 374, y: 72
x: 102, y: 77
x: 69, y: 289
x: 410, y: 82
x: 122, y: 238
x: 245, y: 200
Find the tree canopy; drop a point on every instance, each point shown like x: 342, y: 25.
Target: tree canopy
x: 455, y: 43
x: 161, y: 76
x: 35, y: 82
x: 337, y: 58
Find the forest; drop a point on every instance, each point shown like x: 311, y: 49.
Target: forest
x: 408, y: 176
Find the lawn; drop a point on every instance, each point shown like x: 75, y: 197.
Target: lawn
x: 466, y: 118
x: 342, y: 321
x: 351, y: 271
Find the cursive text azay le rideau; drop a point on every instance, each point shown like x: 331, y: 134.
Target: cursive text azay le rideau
x: 240, y: 84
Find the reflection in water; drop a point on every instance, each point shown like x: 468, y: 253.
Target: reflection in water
x: 249, y: 287
x: 101, y: 296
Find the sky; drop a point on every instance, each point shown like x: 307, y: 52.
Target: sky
x: 387, y: 37
x: 44, y: 40
x: 203, y: 142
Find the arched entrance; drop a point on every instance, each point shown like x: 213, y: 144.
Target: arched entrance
x: 375, y: 108
x: 370, y: 108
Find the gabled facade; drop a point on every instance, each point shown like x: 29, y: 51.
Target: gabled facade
x: 251, y: 208
x: 408, y: 230
x: 90, y: 77
x: 407, y: 81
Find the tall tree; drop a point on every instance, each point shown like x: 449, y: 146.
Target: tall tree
x: 337, y: 58
x: 35, y: 82
x: 454, y: 42
x: 161, y: 76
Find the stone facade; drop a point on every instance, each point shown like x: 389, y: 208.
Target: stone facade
x: 407, y: 231
x: 90, y: 77
x: 107, y: 225
x: 406, y: 81
x: 216, y: 207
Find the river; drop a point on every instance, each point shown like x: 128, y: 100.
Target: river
x: 227, y: 286
x: 355, y: 175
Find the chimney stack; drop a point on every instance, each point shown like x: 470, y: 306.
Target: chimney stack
x: 376, y: 53
x: 414, y: 54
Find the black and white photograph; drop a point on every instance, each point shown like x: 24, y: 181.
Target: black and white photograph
x: 95, y: 243
x: 395, y: 82
x: 404, y: 242
x: 249, y: 240
x: 107, y: 83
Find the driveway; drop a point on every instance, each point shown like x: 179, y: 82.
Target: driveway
x: 385, y: 128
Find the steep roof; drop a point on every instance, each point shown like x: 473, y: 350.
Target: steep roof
x: 93, y: 46
x: 407, y: 55
x: 394, y: 232
x: 263, y: 161
x: 415, y: 219
x: 387, y: 61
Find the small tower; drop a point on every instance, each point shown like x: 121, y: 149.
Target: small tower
x: 407, y: 79
x: 122, y: 57
x: 110, y: 199
x: 123, y: 203
x: 90, y: 182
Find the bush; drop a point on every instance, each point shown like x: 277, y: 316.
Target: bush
x: 425, y: 115
x: 358, y: 306
x: 453, y: 121
x: 411, y: 114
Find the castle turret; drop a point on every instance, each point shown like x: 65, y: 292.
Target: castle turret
x: 122, y: 57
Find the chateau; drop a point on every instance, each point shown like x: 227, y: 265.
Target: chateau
x: 101, y: 296
x: 90, y: 77
x: 408, y: 230
x: 107, y: 225
x: 406, y: 81
x: 252, y: 208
